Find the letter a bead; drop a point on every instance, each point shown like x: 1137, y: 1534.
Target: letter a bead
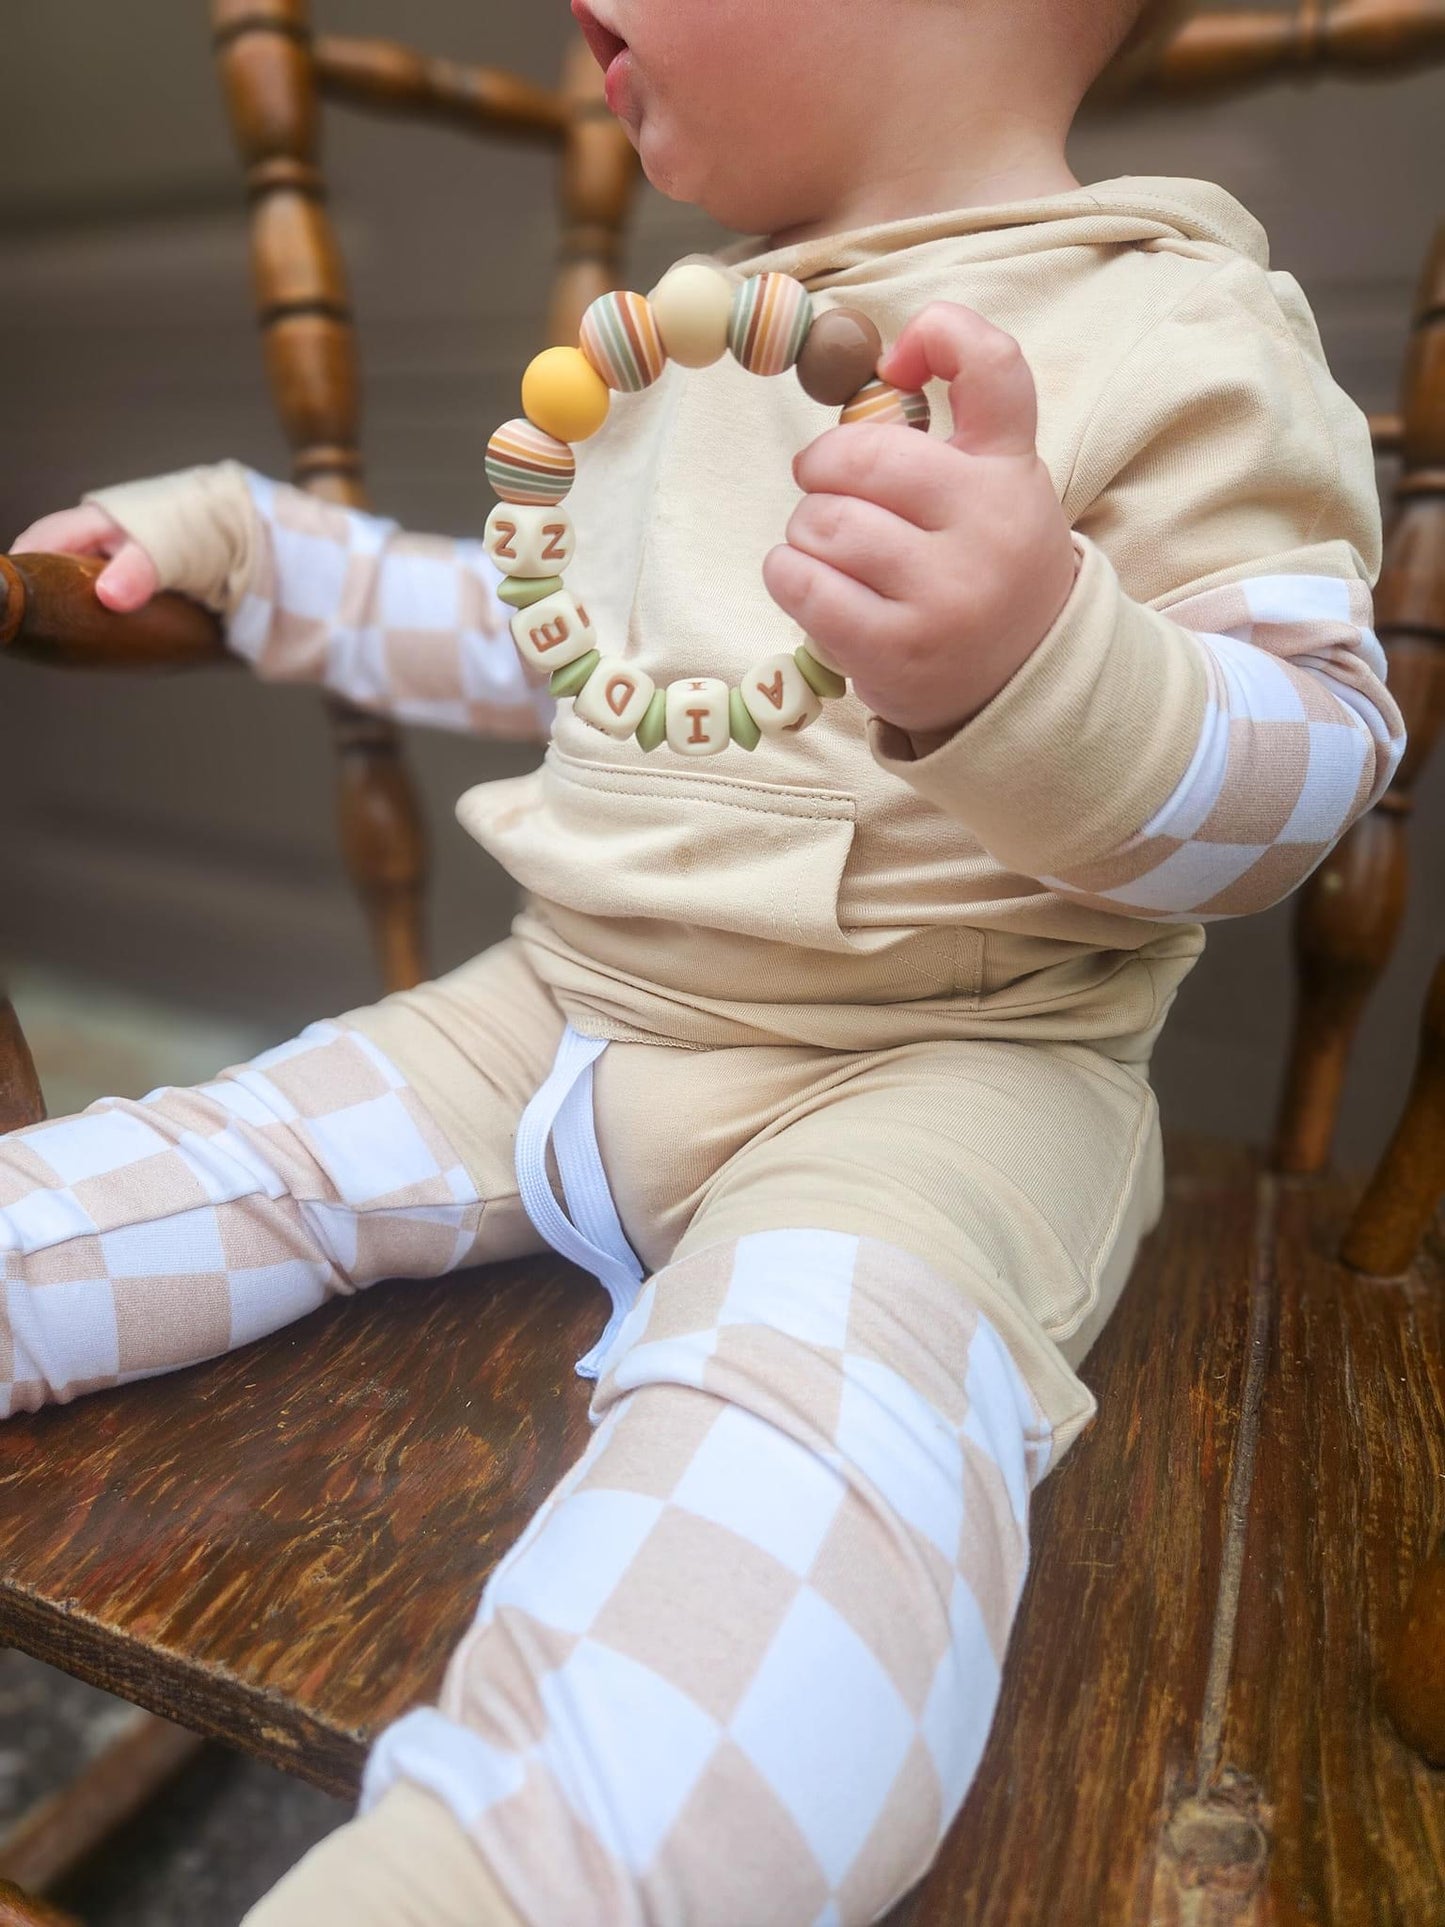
x: 697, y: 716
x: 553, y: 632
x: 529, y: 541
x: 615, y: 697
x: 778, y: 697
x: 619, y: 337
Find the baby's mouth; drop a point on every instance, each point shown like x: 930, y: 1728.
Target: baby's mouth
x: 605, y: 44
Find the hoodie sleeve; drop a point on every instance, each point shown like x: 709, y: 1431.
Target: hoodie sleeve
x: 1208, y: 715
x: 405, y: 625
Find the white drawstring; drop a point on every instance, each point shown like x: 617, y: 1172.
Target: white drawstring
x: 561, y: 1113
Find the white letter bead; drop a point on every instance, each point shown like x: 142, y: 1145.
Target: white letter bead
x: 697, y: 716
x: 524, y: 539
x: 778, y: 697
x: 553, y: 632
x: 615, y: 697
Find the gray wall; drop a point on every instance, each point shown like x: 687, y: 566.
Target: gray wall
x: 178, y: 833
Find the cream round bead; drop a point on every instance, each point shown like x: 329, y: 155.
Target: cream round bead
x: 880, y: 401
x: 778, y: 697
x: 528, y: 541
x: 553, y: 632
x: 527, y: 465
x: 619, y: 336
x: 692, y: 306
x: 771, y: 316
x: 697, y: 716
x: 563, y: 394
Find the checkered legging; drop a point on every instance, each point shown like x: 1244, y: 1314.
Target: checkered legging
x: 740, y: 1667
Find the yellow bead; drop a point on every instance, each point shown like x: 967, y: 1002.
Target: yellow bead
x: 563, y: 394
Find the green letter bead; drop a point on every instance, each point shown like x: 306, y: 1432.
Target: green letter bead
x: 820, y: 679
x: 652, y: 730
x: 523, y: 590
x: 745, y: 732
x: 566, y: 682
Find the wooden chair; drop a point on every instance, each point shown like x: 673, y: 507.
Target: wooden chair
x: 280, y: 1548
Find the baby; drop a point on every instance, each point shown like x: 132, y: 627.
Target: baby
x: 842, y: 1045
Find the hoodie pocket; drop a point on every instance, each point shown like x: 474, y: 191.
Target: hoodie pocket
x: 758, y: 859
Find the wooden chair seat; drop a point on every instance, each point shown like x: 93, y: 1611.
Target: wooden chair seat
x: 282, y: 1547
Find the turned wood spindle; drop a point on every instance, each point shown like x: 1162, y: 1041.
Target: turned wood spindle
x: 598, y: 178
x: 1393, y: 1215
x: 269, y: 81
x: 1231, y: 49
x: 1349, y: 913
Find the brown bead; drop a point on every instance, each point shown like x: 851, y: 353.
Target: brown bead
x: 840, y: 354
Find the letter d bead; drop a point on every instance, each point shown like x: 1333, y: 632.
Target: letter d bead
x: 614, y: 698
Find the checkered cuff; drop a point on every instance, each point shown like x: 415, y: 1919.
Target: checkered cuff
x: 1179, y: 764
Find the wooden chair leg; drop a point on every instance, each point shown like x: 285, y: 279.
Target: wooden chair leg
x: 1414, y: 1680
x: 20, y: 1098
x: 1392, y: 1217
x: 64, y: 1829
x: 17, y: 1909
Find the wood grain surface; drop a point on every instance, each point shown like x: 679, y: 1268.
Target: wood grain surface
x: 282, y: 1547
x: 1191, y: 1732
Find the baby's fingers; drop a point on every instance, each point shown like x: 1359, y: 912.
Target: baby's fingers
x: 86, y: 530
x: 127, y: 581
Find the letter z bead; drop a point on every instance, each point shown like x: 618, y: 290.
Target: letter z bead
x: 523, y: 539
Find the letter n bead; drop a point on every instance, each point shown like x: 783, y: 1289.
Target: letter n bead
x: 778, y: 697
x: 615, y: 697
x: 523, y: 539
x: 553, y: 632
x: 697, y: 716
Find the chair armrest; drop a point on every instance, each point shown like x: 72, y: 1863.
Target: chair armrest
x: 19, y: 1909
x: 49, y: 613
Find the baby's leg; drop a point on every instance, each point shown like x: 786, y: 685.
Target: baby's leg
x: 144, y: 1235
x: 742, y: 1663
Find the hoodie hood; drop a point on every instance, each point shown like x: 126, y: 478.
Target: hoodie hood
x: 1182, y: 216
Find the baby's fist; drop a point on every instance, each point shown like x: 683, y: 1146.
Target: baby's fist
x: 926, y: 570
x: 127, y: 581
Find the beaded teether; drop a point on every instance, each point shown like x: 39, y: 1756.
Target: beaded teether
x: 694, y: 315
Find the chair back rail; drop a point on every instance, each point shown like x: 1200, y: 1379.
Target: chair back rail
x: 1348, y: 915
x: 273, y: 75
x: 1233, y: 50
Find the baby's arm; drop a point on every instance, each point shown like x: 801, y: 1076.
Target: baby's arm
x: 1192, y: 749
x: 405, y: 625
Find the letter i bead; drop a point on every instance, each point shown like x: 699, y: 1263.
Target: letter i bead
x: 697, y: 716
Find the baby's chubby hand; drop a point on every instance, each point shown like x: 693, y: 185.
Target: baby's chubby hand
x: 129, y: 578
x: 926, y: 570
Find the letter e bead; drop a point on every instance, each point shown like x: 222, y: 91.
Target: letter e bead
x: 778, y: 697
x: 523, y: 539
x: 697, y: 716
x: 553, y: 632
x: 615, y: 697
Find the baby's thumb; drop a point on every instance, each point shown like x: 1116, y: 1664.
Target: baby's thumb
x: 128, y: 580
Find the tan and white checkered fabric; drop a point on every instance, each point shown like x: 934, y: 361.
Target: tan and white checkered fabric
x: 141, y: 1236
x: 1299, y: 737
x: 742, y: 1663
x: 409, y: 625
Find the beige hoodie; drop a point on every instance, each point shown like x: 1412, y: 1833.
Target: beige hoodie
x: 1178, y: 747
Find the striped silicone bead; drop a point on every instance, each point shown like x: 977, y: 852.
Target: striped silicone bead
x: 620, y: 338
x: 771, y: 316
x: 525, y: 464
x: 880, y: 401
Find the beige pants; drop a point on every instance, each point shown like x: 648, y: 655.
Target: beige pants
x: 770, y: 1604
x: 1026, y: 1174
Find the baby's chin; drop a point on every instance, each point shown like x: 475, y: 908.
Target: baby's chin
x: 751, y: 201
